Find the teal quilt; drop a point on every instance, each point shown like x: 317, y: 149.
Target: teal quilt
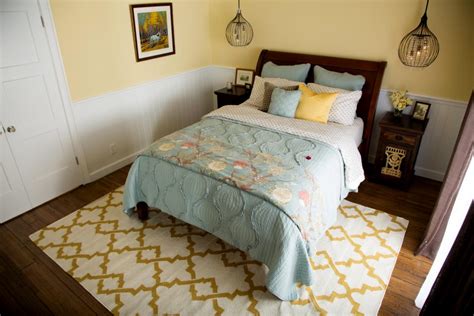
x: 269, y: 193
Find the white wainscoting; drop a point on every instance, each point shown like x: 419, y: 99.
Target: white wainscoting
x: 131, y: 119
x: 115, y: 127
x: 439, y: 138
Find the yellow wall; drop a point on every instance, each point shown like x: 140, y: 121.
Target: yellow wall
x: 95, y: 37
x: 96, y: 40
x: 366, y: 29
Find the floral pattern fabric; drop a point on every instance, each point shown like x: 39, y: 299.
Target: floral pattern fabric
x: 295, y: 174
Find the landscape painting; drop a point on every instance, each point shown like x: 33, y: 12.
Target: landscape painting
x: 153, y: 30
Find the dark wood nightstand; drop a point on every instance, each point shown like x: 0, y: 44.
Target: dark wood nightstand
x: 234, y: 96
x: 397, y: 149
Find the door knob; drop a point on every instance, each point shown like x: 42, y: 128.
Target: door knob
x: 11, y: 129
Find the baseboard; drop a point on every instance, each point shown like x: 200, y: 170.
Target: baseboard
x: 102, y: 172
x: 430, y: 174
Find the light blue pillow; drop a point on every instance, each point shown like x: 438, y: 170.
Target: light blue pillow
x: 284, y: 103
x: 339, y: 80
x: 293, y: 72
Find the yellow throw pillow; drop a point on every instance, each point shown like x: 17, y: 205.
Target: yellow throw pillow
x: 314, y: 106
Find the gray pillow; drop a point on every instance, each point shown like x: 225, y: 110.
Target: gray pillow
x: 294, y: 72
x: 267, y: 94
x: 284, y: 103
x: 339, y: 80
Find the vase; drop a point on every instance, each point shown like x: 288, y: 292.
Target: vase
x: 397, y: 113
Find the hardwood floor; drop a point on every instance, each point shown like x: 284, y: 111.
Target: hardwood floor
x: 31, y: 283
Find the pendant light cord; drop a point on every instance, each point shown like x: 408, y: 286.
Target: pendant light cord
x: 424, y: 18
x: 426, y: 7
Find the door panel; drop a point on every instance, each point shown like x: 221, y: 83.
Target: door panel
x: 31, y: 105
x: 13, y: 197
x: 32, y: 113
x: 15, y: 26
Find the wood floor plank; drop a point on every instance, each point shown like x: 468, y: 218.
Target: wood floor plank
x: 54, y: 291
x: 14, y: 249
x: 16, y: 292
x: 68, y: 281
x: 59, y: 298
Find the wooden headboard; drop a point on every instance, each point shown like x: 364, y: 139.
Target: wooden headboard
x: 371, y: 70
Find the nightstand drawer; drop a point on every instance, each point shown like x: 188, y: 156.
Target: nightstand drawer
x: 396, y: 137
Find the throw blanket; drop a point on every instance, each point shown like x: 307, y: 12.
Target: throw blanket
x: 267, y: 192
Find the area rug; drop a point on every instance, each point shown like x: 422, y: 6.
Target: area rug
x: 164, y: 266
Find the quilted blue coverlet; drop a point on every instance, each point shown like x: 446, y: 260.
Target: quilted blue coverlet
x: 266, y: 192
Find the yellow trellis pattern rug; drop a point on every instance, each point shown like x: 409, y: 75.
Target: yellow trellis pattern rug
x: 165, y: 266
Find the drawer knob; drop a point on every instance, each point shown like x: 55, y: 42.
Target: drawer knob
x: 398, y: 137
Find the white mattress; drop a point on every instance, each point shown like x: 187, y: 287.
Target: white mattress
x: 356, y: 130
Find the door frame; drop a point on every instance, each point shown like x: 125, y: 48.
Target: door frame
x: 60, y: 72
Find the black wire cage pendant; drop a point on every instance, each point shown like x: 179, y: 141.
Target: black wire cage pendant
x: 239, y: 32
x: 420, y: 47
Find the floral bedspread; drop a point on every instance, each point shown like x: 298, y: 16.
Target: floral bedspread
x: 277, y: 167
x: 270, y: 193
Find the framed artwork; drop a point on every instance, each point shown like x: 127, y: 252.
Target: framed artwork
x: 153, y: 31
x: 420, y: 111
x: 243, y: 77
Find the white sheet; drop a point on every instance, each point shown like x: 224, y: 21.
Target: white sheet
x: 356, y: 130
x: 333, y: 134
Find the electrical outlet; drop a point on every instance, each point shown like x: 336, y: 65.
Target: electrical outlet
x: 113, y: 148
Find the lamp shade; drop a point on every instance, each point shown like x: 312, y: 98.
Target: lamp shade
x: 420, y: 47
x: 239, y: 32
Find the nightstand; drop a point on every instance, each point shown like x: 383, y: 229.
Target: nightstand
x: 397, y: 149
x: 234, y: 96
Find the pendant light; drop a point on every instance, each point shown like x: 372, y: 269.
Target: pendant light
x: 239, y: 32
x: 420, y: 47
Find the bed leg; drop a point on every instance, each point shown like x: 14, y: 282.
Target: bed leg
x: 142, y: 210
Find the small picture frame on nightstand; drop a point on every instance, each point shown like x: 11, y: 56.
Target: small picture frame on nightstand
x: 243, y: 77
x: 420, y: 111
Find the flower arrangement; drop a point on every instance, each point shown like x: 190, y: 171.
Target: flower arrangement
x: 400, y: 101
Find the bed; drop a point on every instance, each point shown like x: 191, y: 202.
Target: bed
x: 267, y: 185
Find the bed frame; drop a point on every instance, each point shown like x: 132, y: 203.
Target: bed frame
x: 371, y: 70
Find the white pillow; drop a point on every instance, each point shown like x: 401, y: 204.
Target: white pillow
x: 258, y: 90
x: 343, y: 110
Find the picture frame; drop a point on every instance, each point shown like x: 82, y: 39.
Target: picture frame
x: 420, y: 111
x: 153, y: 30
x: 243, y: 77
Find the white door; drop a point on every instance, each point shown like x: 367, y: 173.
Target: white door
x: 13, y: 197
x: 31, y: 108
